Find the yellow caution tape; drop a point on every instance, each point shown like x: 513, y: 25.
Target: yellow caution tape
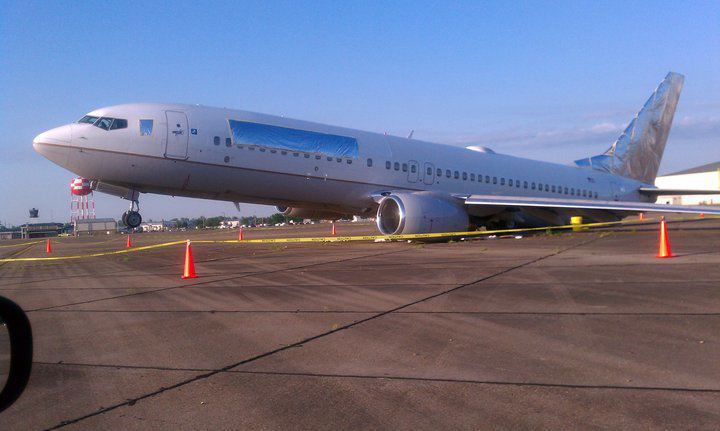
x: 337, y: 239
x: 82, y: 256
x: 19, y: 244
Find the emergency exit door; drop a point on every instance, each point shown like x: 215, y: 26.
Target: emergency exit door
x: 176, y: 145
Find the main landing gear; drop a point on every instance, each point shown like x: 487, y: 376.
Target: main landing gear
x: 132, y: 217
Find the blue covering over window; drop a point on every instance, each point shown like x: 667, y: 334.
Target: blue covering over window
x: 263, y: 135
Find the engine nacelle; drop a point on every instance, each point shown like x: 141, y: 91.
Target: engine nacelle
x: 421, y: 212
x: 309, y: 213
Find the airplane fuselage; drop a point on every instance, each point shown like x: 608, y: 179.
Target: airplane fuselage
x: 190, y: 150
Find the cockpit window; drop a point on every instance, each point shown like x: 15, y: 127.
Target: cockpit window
x: 118, y: 124
x: 104, y: 123
x: 89, y: 119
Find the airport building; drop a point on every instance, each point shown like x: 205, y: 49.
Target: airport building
x: 15, y: 234
x: 40, y: 230
x: 705, y: 177
x: 229, y: 224
x: 97, y: 225
x: 153, y: 226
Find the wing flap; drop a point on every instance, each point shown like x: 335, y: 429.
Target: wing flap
x: 519, y: 201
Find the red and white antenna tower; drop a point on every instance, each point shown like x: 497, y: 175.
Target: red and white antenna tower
x: 82, y: 202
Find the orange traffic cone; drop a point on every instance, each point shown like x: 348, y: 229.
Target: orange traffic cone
x: 664, y: 249
x: 641, y: 216
x: 48, y: 247
x: 240, y: 236
x: 129, y: 242
x: 189, y: 271
x: 333, y: 232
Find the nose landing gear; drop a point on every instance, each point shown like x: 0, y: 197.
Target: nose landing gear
x: 132, y: 217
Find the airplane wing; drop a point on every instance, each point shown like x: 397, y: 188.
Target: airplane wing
x: 519, y: 201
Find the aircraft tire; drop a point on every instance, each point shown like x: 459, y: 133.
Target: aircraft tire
x: 132, y: 219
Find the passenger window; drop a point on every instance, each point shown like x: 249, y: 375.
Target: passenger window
x: 524, y: 184
x: 284, y: 153
x: 349, y: 162
x: 572, y: 192
x: 296, y: 154
x: 584, y: 193
x: 532, y: 186
x: 216, y: 140
x: 396, y: 165
x: 510, y: 182
x: 502, y: 181
x: 439, y: 172
x: 329, y: 159
x: 307, y: 156
x: 146, y: 127
x: 387, y: 165
x: 118, y: 124
x: 228, y: 142
x: 472, y: 177
x: 487, y: 178
x: 553, y: 189
x: 273, y: 151
x: 369, y: 163
x: 448, y: 173
x: 517, y: 183
x: 338, y: 159
x: 404, y: 167
x: 494, y: 180
x: 457, y: 175
x: 547, y: 188
x: 429, y: 171
x: 565, y: 190
x: 596, y: 195
x: 413, y: 169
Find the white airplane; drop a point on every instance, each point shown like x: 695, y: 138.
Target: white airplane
x: 312, y: 170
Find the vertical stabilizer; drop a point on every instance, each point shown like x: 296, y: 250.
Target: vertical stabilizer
x: 637, y: 152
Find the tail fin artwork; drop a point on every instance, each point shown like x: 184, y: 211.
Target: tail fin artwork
x: 637, y: 152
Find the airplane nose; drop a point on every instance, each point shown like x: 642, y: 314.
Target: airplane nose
x: 59, y: 136
x: 54, y: 144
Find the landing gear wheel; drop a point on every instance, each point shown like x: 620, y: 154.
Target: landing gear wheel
x: 132, y: 219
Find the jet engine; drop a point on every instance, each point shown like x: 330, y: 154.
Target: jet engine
x: 421, y: 212
x: 309, y: 213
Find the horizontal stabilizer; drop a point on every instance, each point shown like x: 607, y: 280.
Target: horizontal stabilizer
x: 619, y: 206
x: 670, y: 192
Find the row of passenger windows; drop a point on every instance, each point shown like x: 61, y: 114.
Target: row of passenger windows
x: 510, y: 182
x: 551, y: 188
x: 228, y: 143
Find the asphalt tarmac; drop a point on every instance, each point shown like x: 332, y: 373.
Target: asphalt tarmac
x: 563, y: 331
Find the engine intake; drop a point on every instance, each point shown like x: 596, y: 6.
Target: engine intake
x: 421, y: 212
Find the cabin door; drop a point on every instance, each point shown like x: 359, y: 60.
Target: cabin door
x: 428, y: 173
x: 176, y: 146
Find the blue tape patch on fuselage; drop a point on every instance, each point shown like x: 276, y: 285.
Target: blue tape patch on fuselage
x: 264, y: 135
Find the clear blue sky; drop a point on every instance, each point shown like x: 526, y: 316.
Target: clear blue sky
x: 548, y: 80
